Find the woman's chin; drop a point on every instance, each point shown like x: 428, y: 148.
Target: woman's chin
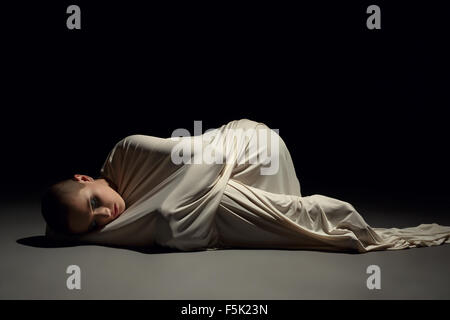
x: 123, y: 208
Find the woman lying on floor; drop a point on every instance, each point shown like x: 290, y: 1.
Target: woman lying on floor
x: 231, y: 187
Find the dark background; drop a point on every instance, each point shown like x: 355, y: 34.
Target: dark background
x: 363, y: 112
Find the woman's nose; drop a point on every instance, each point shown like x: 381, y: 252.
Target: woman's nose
x: 103, y: 212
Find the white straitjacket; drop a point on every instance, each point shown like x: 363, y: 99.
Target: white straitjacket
x: 206, y: 205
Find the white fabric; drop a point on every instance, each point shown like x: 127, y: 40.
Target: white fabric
x: 231, y: 204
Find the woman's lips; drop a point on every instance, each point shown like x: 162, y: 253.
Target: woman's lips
x: 115, y: 211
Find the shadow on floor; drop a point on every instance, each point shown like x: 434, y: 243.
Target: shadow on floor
x: 46, y: 242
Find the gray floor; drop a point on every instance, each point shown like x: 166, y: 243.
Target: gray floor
x: 30, y: 270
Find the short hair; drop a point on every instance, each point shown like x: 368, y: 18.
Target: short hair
x: 54, y: 205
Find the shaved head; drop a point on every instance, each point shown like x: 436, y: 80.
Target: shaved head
x: 56, y: 202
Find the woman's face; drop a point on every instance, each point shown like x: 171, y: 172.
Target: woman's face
x: 94, y: 206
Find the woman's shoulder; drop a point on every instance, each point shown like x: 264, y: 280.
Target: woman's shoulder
x: 141, y: 142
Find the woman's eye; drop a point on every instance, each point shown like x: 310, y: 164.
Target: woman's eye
x: 94, y: 203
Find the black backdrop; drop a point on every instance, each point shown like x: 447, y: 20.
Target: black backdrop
x: 362, y: 111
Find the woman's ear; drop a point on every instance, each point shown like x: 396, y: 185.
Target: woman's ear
x: 82, y: 177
